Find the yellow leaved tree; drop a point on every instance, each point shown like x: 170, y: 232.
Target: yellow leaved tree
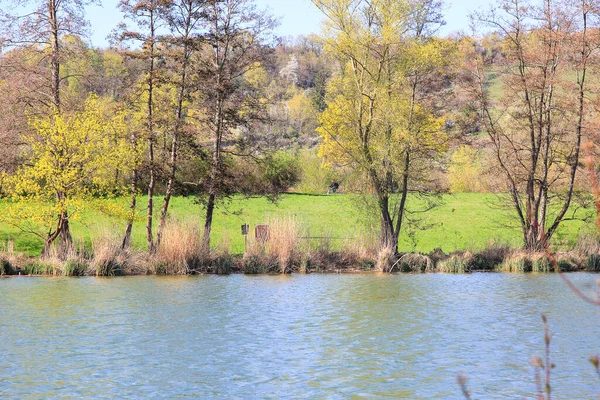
x: 377, y: 120
x: 71, y: 159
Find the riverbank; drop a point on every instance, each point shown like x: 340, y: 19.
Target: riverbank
x: 267, y: 261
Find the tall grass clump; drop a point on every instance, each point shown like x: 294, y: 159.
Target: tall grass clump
x: 587, y: 251
x: 515, y: 262
x: 362, y: 251
x: 285, y: 242
x: 221, y: 261
x: 280, y: 253
x: 71, y: 263
x: 108, y: 259
x: 458, y: 263
x: 522, y: 262
x: 180, y: 250
x: 540, y: 263
x: 593, y: 263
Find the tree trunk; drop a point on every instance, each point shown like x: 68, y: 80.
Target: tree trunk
x: 127, y: 237
x: 150, y: 106
x: 404, y: 196
x: 387, y: 225
x: 149, y: 236
x: 65, y: 238
x: 63, y: 233
x: 55, y: 61
x: 213, y: 188
x: 215, y: 171
x: 174, y: 146
x: 210, y: 207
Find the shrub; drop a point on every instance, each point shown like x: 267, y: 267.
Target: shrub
x: 414, y: 262
x: 5, y: 267
x: 490, y: 257
x: 314, y: 176
x: 281, y: 171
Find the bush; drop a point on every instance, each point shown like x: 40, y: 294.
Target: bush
x: 281, y: 171
x: 314, y: 177
x: 490, y: 257
x: 6, y: 268
x: 414, y: 262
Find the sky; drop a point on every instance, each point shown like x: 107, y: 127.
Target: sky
x: 297, y: 17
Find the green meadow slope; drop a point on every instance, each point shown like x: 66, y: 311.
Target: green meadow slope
x: 467, y: 221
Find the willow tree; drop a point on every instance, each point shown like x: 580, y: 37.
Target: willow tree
x: 536, y: 125
x: 376, y: 121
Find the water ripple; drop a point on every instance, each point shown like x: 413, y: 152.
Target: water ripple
x: 348, y: 336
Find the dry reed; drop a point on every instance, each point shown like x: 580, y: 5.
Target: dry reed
x: 180, y: 250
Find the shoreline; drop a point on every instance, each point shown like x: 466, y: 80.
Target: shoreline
x: 142, y: 264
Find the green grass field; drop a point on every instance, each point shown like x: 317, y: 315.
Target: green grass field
x: 466, y: 221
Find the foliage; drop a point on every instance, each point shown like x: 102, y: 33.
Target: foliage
x: 71, y: 161
x: 375, y: 120
x: 281, y: 171
x: 464, y: 171
x: 314, y: 176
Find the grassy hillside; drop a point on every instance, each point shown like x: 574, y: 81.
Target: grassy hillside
x: 462, y: 221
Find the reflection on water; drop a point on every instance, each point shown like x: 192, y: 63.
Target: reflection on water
x: 316, y: 336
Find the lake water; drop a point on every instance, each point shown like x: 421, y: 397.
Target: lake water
x: 314, y: 336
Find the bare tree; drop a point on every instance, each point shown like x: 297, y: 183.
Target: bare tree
x: 537, y: 125
x: 185, y: 18
x: 235, y: 43
x: 146, y: 15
